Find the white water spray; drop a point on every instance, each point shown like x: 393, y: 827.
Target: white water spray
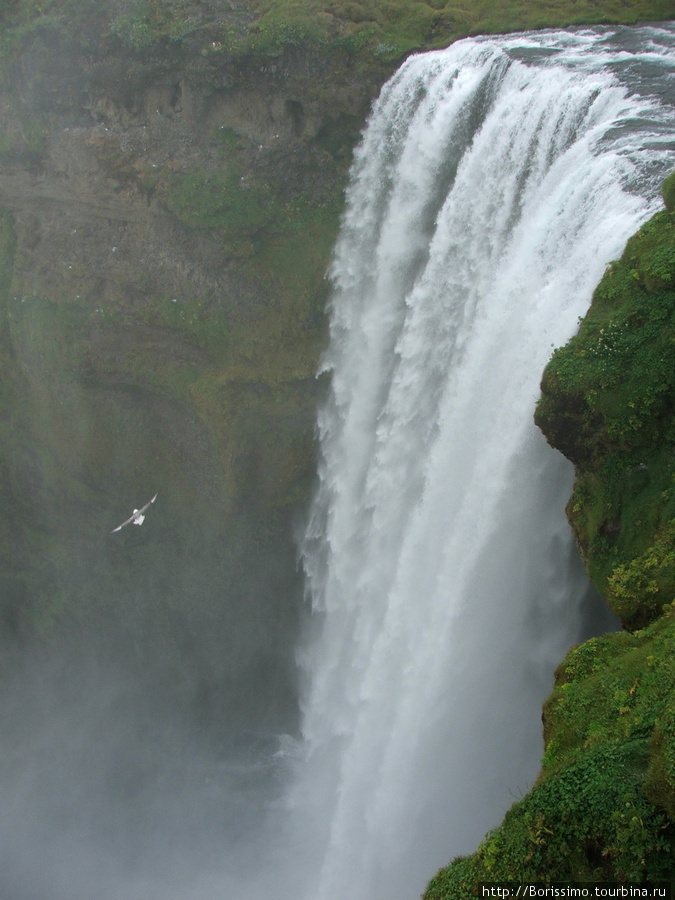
x: 494, y: 182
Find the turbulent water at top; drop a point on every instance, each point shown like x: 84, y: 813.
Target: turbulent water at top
x: 494, y: 182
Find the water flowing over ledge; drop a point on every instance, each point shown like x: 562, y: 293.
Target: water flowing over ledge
x: 494, y: 182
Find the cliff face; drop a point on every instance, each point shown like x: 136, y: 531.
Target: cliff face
x: 166, y: 220
x: 608, y: 399
x: 603, y: 808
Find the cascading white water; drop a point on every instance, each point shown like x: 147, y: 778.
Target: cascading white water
x: 494, y: 182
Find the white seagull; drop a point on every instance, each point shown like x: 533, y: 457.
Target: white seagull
x: 137, y: 516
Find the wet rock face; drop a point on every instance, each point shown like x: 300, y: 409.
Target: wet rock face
x: 166, y: 226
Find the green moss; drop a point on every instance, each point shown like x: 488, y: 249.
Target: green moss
x: 608, y: 691
x: 607, y: 403
x: 134, y: 29
x: 387, y: 29
x: 221, y: 203
x: 143, y: 23
x: 602, y: 807
x: 647, y: 581
x: 668, y: 192
x: 200, y: 319
x: 226, y: 140
x: 592, y: 822
x: 395, y: 27
x: 660, y: 780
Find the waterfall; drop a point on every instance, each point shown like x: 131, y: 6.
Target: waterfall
x: 493, y: 183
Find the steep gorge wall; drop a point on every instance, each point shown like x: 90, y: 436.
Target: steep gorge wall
x: 166, y: 222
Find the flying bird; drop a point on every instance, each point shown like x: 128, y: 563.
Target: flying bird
x: 137, y: 516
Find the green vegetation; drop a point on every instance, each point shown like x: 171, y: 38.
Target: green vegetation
x: 603, y: 807
x: 221, y: 203
x: 590, y: 823
x: 386, y: 28
x: 390, y: 28
x: 394, y: 27
x: 607, y: 402
x: 669, y: 193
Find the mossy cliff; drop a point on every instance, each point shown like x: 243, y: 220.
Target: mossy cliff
x: 608, y: 399
x: 603, y: 808
x: 167, y: 211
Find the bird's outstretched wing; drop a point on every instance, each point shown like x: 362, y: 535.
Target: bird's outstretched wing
x: 135, y: 515
x: 142, y: 510
x: 120, y: 527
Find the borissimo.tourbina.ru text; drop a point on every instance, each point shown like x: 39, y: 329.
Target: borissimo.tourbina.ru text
x: 657, y: 890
